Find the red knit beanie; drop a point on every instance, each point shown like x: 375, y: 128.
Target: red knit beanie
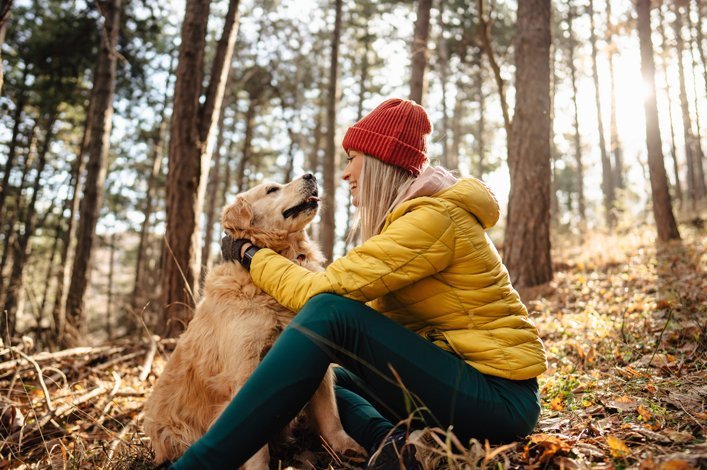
x: 395, y: 133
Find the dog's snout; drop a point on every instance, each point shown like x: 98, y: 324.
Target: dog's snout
x: 308, y: 177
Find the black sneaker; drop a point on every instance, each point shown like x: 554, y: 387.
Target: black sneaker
x: 394, y: 454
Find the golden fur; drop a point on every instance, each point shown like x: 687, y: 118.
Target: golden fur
x: 234, y: 325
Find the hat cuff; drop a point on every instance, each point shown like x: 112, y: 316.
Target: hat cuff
x: 385, y: 148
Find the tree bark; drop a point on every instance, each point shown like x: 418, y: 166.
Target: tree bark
x: 700, y: 39
x: 327, y: 235
x: 50, y: 269
x: 577, y: 136
x: 7, y: 327
x: 614, y: 141
x: 155, y: 170
x: 109, y: 306
x: 12, y: 235
x: 99, y: 142
x: 607, y: 184
x: 668, y: 96
x: 695, y: 191
x: 699, y: 154
x: 527, y: 238
x: 481, y: 122
x: 69, y: 233
x: 5, y: 7
x: 418, y: 85
x: 662, y: 209
x: 191, y: 142
x: 247, y: 140
x: 443, y: 57
x: 12, y: 146
x: 212, y: 191
x: 485, y: 36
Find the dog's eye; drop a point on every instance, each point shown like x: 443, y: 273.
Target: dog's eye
x: 272, y: 190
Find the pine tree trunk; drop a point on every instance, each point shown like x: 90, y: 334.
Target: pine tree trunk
x: 443, y: 57
x: 668, y: 96
x: 349, y: 238
x: 5, y: 6
x: 481, y: 122
x: 554, y: 200
x: 101, y: 124
x: 485, y: 38
x: 50, y: 269
x: 662, y: 209
x: 314, y: 163
x: 699, y: 154
x: 12, y: 234
x: 212, y: 110
x: 7, y: 328
x: 212, y: 191
x: 700, y: 39
x: 527, y: 238
x: 12, y: 145
x: 69, y: 233
x: 155, y: 170
x: 577, y: 136
x: 247, y: 140
x: 456, y: 124
x: 109, y: 306
x: 327, y: 235
x: 418, y: 85
x: 614, y: 141
x: 693, y: 188
x: 191, y: 143
x: 607, y: 184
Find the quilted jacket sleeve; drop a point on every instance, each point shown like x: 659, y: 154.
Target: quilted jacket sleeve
x: 414, y: 246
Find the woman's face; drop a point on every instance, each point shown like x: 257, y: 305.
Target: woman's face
x: 352, y: 172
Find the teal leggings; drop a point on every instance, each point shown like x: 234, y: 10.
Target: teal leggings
x: 377, y: 355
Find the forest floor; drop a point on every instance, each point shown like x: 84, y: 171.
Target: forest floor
x: 624, y: 322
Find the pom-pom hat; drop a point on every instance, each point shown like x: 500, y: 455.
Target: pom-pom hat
x: 395, y: 133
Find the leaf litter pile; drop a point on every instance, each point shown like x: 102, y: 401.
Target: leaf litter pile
x: 624, y: 323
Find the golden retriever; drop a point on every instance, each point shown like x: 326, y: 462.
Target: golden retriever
x: 235, y: 324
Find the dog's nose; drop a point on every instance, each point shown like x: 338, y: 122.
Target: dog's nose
x: 308, y: 176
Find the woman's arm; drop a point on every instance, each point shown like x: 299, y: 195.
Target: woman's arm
x: 417, y: 245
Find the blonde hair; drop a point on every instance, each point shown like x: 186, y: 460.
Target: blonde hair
x: 381, y: 186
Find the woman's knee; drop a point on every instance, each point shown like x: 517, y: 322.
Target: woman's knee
x: 322, y: 307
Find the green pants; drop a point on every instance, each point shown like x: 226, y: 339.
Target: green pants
x: 438, y: 388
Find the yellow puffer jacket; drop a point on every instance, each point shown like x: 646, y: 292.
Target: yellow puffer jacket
x: 432, y: 269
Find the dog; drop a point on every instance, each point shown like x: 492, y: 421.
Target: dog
x: 241, y: 323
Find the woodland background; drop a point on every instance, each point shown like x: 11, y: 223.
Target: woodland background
x: 125, y: 125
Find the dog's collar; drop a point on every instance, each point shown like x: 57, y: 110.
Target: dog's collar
x: 300, y: 258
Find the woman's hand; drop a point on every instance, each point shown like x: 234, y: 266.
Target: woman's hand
x: 241, y: 250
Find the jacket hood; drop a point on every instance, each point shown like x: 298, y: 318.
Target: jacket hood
x: 475, y: 197
x: 470, y: 194
x: 431, y: 181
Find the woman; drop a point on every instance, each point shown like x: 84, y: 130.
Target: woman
x: 422, y: 316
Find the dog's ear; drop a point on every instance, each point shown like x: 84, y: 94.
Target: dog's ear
x: 237, y: 216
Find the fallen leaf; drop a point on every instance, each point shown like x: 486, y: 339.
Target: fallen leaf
x: 551, y: 445
x: 676, y: 465
x: 617, y: 446
x: 623, y: 403
x: 678, y: 437
x: 556, y: 404
x: 644, y: 412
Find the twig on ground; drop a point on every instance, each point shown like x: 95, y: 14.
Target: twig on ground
x: 40, y: 377
x: 147, y: 365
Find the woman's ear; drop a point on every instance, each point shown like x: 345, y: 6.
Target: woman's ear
x: 237, y: 216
